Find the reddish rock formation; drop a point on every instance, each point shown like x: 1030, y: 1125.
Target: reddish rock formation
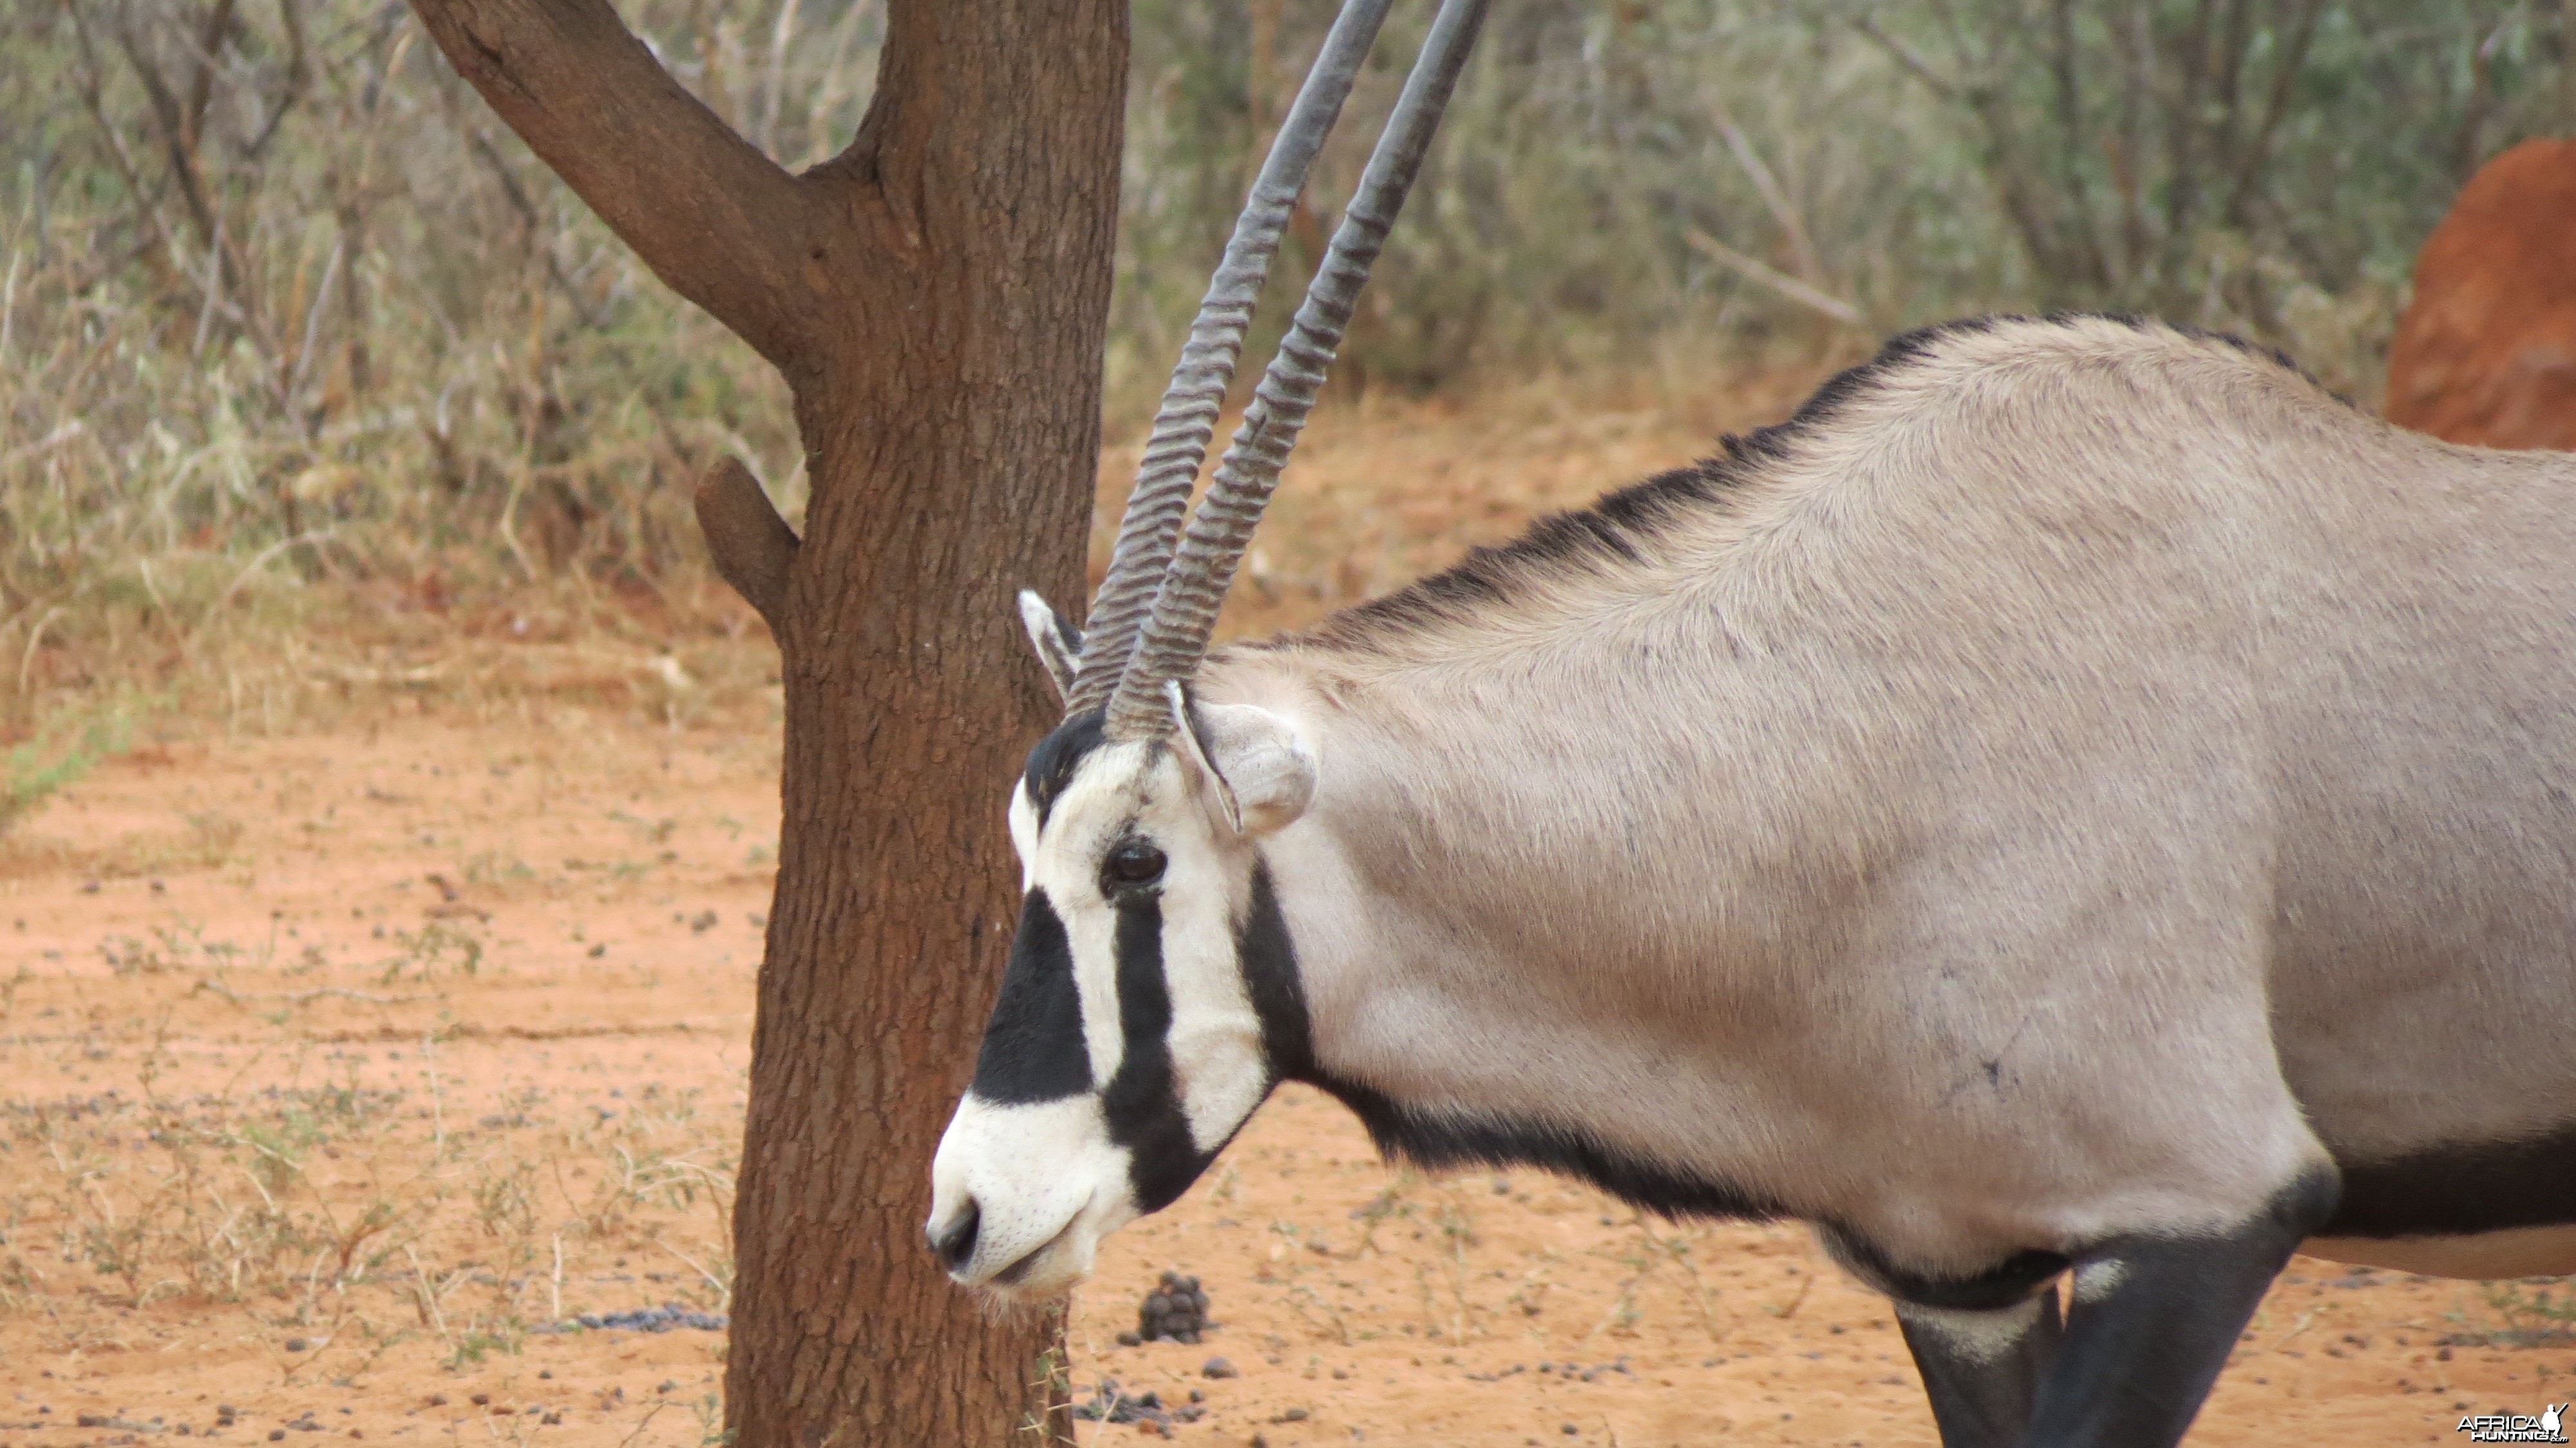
x: 2486, y: 352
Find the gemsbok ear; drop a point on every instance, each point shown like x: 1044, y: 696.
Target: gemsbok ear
x: 1059, y: 644
x: 1260, y: 768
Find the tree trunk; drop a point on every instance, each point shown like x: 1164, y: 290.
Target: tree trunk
x: 936, y: 297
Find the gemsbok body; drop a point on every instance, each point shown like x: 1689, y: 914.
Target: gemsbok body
x: 2075, y: 802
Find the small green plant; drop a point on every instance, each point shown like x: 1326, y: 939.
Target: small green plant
x: 438, y: 946
x: 59, y: 756
x: 492, y: 868
x: 2535, y: 1314
x: 482, y: 1340
x: 712, y: 1433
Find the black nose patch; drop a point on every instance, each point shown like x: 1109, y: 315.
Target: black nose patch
x: 1033, y: 1048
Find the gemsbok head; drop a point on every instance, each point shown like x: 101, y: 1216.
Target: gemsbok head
x: 1127, y: 1046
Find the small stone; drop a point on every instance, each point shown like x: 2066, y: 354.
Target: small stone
x: 277, y: 1435
x: 1129, y: 1339
x: 296, y: 1344
x: 1291, y: 1415
x: 1569, y: 1430
x: 436, y: 1400
x: 546, y: 1374
x: 481, y: 1400
x: 1217, y: 1367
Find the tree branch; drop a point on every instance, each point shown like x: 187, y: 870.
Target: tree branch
x: 1778, y: 281
x: 716, y: 220
x: 752, y: 546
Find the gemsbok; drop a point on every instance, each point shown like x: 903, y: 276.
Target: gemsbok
x: 2076, y: 801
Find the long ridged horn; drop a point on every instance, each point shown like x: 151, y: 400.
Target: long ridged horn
x: 1176, y: 634
x: 1187, y: 420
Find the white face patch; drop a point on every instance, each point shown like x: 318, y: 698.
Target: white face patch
x: 1045, y: 1184
x: 1215, y: 1036
x: 1024, y: 833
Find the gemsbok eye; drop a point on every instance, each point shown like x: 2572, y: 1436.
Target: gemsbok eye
x: 1134, y: 862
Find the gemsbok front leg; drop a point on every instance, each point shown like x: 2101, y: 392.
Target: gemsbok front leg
x: 1981, y: 1369
x: 2154, y: 1319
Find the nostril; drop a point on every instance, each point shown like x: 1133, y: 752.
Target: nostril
x: 956, y: 1246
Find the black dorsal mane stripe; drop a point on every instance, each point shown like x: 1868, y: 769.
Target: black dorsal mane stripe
x: 1620, y: 528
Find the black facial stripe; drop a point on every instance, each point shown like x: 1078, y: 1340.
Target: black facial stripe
x: 1269, y: 962
x: 2475, y: 1186
x: 1033, y: 1048
x: 1142, y: 1101
x: 1052, y: 763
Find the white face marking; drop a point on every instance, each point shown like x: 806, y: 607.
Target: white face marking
x: 1215, y: 1038
x: 1046, y: 1183
x: 1024, y: 833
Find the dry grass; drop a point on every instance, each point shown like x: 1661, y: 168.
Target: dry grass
x: 313, y: 382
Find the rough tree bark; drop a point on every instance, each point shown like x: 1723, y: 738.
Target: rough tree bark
x: 936, y: 297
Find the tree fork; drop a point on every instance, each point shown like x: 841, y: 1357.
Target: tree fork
x: 936, y: 297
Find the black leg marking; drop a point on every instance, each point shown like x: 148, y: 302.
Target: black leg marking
x: 1982, y: 1369
x: 2153, y: 1321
